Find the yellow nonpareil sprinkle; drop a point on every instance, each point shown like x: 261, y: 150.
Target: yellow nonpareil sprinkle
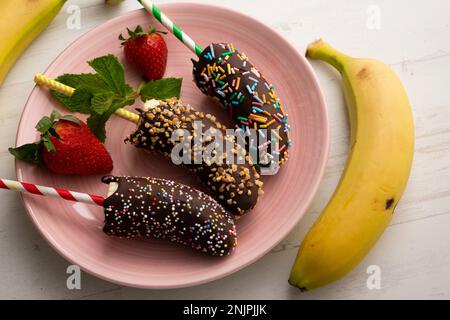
x: 238, y: 82
x: 229, y: 68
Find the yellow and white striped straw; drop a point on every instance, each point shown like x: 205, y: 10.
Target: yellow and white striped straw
x: 45, y: 81
x: 42, y: 80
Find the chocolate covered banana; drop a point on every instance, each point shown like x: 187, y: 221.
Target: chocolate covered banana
x: 230, y: 178
x: 159, y: 208
x: 231, y: 79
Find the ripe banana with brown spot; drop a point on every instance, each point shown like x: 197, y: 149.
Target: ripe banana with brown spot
x: 375, y: 176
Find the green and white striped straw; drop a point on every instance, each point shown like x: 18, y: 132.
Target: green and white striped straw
x: 171, y: 26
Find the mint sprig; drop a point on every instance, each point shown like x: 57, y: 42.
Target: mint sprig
x: 161, y: 89
x: 100, y: 94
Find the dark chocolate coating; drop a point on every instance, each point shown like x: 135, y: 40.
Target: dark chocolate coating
x: 235, y: 186
x: 231, y: 79
x: 165, y: 209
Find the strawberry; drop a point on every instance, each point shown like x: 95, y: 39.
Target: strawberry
x: 67, y: 146
x: 147, y: 51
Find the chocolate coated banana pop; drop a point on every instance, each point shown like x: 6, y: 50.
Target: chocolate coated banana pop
x: 229, y: 77
x: 235, y: 186
x: 165, y: 209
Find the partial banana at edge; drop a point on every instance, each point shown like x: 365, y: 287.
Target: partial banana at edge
x: 376, y: 174
x: 21, y: 21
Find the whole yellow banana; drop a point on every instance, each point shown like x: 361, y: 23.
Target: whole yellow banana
x: 376, y: 174
x: 20, y: 22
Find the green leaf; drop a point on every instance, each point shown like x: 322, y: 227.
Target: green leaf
x: 97, y: 122
x: 102, y: 101
x: 90, y: 81
x: 80, y: 101
x: 28, y: 152
x: 44, y: 124
x: 97, y: 125
x: 55, y: 115
x: 70, y: 118
x: 62, y: 98
x: 111, y: 71
x: 48, y: 144
x: 161, y: 89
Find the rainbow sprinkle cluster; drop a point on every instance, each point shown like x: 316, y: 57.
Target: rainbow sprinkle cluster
x: 228, y: 76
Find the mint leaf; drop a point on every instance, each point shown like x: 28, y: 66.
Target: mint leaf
x: 86, y: 85
x: 80, y: 101
x: 87, y: 80
x: 28, y: 152
x: 102, y: 101
x: 97, y: 122
x: 62, y: 98
x: 161, y: 89
x: 111, y: 71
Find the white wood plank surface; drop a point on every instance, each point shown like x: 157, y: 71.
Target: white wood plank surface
x: 414, y: 253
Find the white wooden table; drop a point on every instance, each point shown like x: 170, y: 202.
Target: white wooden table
x: 413, y: 254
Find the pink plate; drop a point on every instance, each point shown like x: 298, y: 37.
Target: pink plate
x: 74, y: 229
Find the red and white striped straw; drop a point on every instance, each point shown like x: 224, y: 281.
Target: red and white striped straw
x: 53, y: 192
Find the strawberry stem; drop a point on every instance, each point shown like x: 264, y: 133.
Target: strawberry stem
x: 139, y: 32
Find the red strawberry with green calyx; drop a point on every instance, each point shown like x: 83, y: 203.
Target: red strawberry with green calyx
x: 146, y: 51
x: 66, y: 146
